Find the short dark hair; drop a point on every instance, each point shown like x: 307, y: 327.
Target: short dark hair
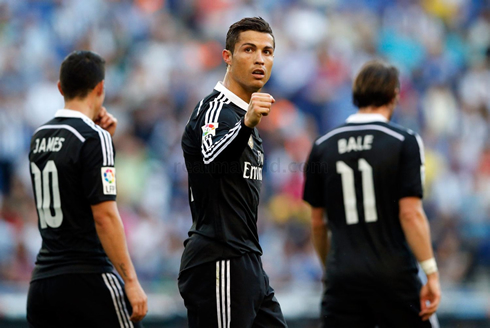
x: 247, y: 24
x: 375, y: 85
x: 80, y: 72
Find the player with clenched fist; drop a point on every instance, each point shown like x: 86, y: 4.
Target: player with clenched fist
x: 221, y: 277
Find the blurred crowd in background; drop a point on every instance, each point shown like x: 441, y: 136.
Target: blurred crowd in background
x: 164, y: 56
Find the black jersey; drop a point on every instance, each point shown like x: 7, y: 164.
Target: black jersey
x: 224, y: 159
x: 358, y: 172
x: 72, y: 168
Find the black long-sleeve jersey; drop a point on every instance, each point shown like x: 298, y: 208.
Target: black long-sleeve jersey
x: 224, y: 159
x: 358, y: 172
x: 72, y: 168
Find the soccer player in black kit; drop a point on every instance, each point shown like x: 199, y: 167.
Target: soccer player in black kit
x: 364, y: 182
x: 221, y: 277
x: 74, y: 182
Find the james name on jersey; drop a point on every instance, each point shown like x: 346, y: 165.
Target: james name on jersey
x: 53, y: 144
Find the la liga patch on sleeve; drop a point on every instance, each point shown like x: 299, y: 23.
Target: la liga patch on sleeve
x: 109, y: 180
x: 209, y: 129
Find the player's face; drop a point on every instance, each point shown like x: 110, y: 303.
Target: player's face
x: 251, y: 62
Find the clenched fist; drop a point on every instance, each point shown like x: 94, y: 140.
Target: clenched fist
x: 260, y: 105
x: 106, y: 121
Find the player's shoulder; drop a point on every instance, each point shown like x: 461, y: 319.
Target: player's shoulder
x: 347, y: 129
x: 90, y: 129
x: 408, y: 134
x: 212, y: 97
x: 400, y: 129
x: 204, y: 103
x: 80, y: 127
x: 216, y: 108
x: 323, y: 140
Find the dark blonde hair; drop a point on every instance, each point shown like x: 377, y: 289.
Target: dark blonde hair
x: 375, y: 85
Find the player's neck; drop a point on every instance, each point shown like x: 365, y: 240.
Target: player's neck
x: 386, y: 111
x: 237, y: 89
x: 83, y: 106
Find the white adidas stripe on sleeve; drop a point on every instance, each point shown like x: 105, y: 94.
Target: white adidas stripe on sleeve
x: 105, y: 142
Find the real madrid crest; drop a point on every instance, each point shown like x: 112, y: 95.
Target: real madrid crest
x: 251, y: 142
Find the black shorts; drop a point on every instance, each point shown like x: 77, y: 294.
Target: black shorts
x: 350, y: 313
x: 86, y: 300
x: 230, y: 293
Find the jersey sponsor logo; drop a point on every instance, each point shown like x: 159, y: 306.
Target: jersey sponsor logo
x: 252, y: 172
x: 209, y: 129
x: 109, y: 180
x: 44, y: 145
x: 353, y: 144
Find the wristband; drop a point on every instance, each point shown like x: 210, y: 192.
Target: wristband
x: 429, y: 266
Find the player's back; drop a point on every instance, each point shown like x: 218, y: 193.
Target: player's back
x: 368, y: 165
x: 72, y: 168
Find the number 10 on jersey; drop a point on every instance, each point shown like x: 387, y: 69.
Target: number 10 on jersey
x: 43, y: 190
x: 349, y: 191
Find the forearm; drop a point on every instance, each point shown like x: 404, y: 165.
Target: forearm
x: 111, y: 234
x: 417, y: 232
x: 320, y: 235
x: 321, y: 243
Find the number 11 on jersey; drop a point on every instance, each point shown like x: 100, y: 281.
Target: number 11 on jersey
x: 349, y: 192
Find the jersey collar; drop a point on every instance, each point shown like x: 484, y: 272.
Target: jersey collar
x: 365, y: 118
x: 70, y: 113
x: 230, y: 95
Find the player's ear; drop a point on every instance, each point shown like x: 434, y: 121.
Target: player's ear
x: 397, y: 96
x: 227, y: 56
x: 59, y: 88
x: 99, y: 88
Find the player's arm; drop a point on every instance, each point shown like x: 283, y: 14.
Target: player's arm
x: 98, y: 177
x: 320, y: 234
x: 111, y: 234
x: 223, y: 138
x: 313, y: 194
x: 417, y: 232
x: 416, y: 228
x: 414, y: 221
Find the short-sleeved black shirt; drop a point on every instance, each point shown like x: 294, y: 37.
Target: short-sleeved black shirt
x: 72, y: 168
x: 358, y: 172
x: 224, y: 159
